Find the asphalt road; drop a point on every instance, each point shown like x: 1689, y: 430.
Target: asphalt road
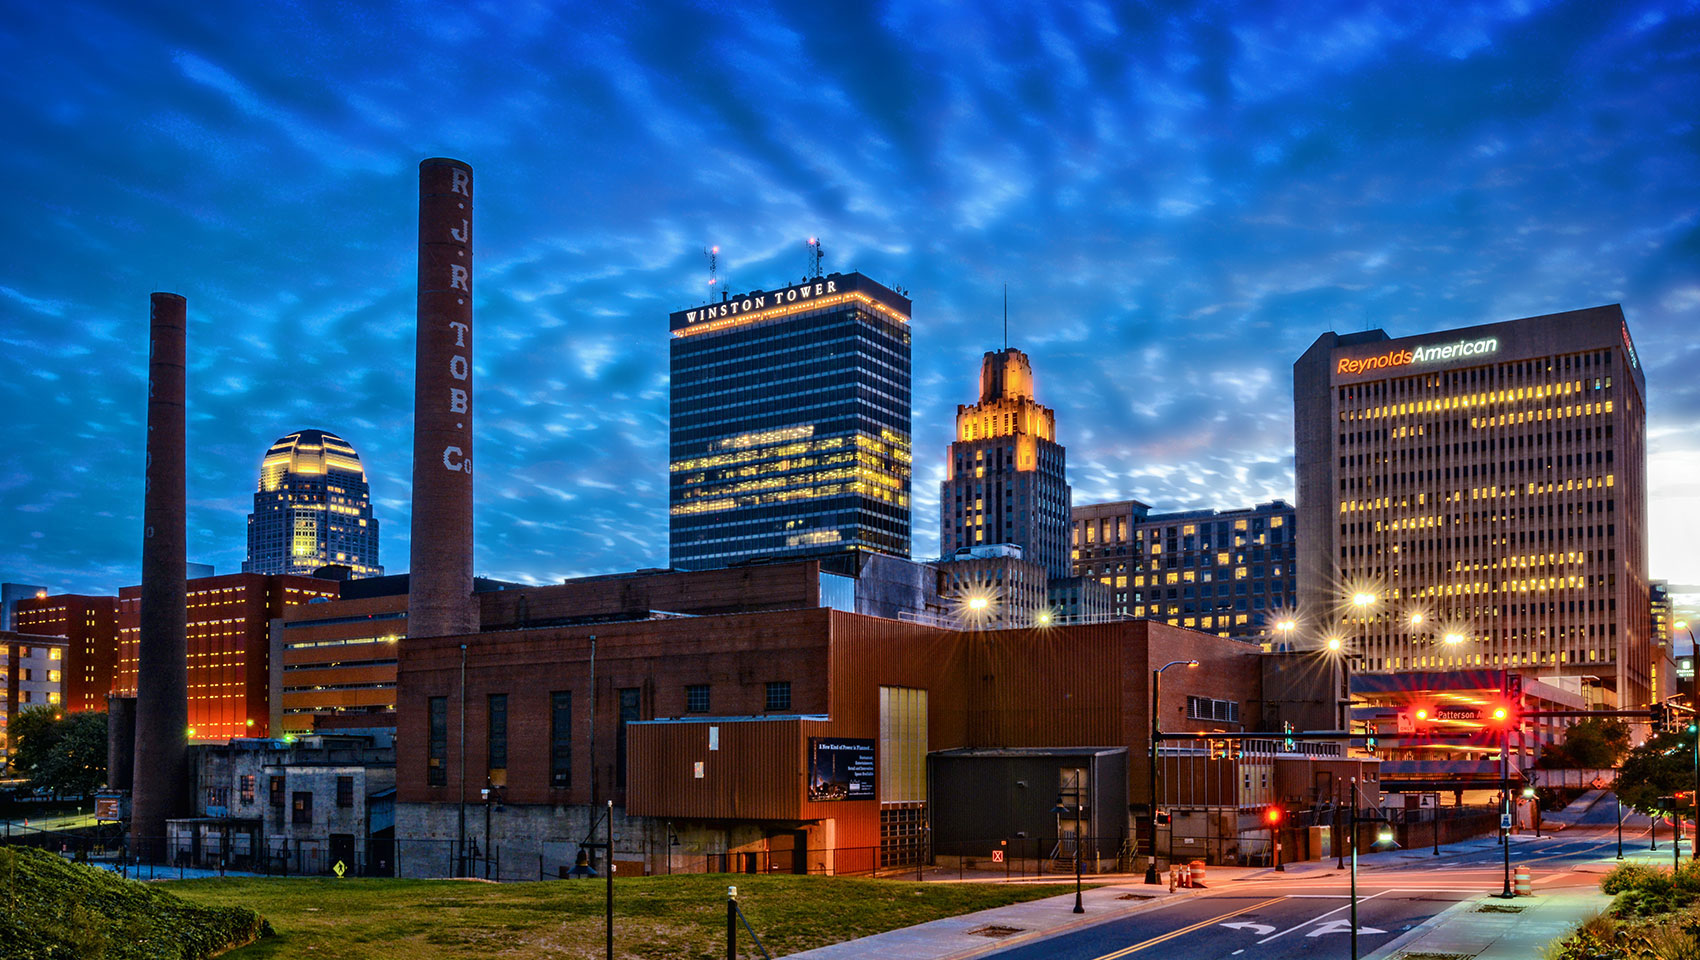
x: 1306, y: 913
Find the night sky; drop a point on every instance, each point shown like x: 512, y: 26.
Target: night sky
x: 1180, y: 200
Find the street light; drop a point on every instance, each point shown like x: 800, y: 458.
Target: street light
x: 1156, y: 690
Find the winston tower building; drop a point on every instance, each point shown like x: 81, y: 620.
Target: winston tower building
x: 1491, y: 479
x: 790, y: 424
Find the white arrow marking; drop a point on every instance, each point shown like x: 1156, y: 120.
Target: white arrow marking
x: 1340, y: 926
x: 1261, y: 929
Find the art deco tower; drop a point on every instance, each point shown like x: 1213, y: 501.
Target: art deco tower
x: 1004, y: 475
x: 313, y: 507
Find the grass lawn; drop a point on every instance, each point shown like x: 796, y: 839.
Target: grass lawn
x: 654, y: 917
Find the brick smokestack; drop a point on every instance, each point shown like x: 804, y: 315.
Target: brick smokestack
x: 439, y: 598
x: 161, y: 777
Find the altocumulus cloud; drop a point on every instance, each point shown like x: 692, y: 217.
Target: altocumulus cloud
x: 1180, y: 199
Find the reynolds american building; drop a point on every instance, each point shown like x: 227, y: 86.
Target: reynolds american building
x: 1487, y: 485
x: 790, y: 424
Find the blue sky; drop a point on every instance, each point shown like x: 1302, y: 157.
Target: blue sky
x: 1180, y: 199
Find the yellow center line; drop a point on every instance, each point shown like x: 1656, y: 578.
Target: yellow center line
x: 1185, y: 930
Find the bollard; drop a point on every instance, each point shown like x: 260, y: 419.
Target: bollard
x: 731, y: 923
x: 1197, y: 873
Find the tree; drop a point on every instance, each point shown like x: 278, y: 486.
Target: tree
x: 65, y: 754
x: 33, y: 733
x: 1590, y: 744
x: 1661, y: 767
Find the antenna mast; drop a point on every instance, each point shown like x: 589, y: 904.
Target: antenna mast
x: 815, y: 257
x: 713, y: 255
x: 1006, y: 318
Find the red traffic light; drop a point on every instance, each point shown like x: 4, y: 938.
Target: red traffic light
x: 1501, y: 714
x: 1272, y: 815
x: 1422, y: 713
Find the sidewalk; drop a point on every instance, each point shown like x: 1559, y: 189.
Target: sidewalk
x: 1474, y: 928
x: 955, y: 938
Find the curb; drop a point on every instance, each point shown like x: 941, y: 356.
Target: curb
x: 1082, y: 923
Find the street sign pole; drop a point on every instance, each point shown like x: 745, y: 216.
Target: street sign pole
x: 1505, y: 790
x: 1354, y: 842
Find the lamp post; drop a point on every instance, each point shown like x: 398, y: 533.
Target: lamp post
x: 1061, y: 809
x: 1361, y: 601
x: 1694, y: 731
x: 1284, y: 629
x: 460, y: 853
x: 1156, y: 693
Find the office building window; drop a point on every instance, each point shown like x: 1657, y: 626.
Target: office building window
x: 778, y: 695
x: 561, y: 739
x: 629, y: 700
x: 245, y: 789
x: 437, y: 742
x: 301, y: 810
x: 276, y: 791
x: 696, y: 698
x: 496, y: 754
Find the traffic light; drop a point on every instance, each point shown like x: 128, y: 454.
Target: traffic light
x: 1422, y: 715
x: 1162, y: 818
x: 1287, y: 742
x: 1272, y: 816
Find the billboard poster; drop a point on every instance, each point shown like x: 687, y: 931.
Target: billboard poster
x: 840, y: 768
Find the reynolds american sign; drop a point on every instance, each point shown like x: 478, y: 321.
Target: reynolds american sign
x: 1417, y: 356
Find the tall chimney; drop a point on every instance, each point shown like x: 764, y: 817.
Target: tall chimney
x: 439, y: 596
x: 161, y: 777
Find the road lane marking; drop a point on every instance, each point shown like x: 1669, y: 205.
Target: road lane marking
x: 1316, y: 918
x: 1259, y: 928
x: 1341, y: 926
x: 1135, y: 948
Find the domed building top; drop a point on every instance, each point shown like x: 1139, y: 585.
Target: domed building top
x: 309, y: 452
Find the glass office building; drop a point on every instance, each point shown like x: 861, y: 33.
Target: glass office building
x: 1486, y: 488
x: 313, y: 508
x: 789, y: 423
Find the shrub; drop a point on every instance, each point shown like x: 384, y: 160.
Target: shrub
x: 1627, y: 875
x: 54, y: 910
